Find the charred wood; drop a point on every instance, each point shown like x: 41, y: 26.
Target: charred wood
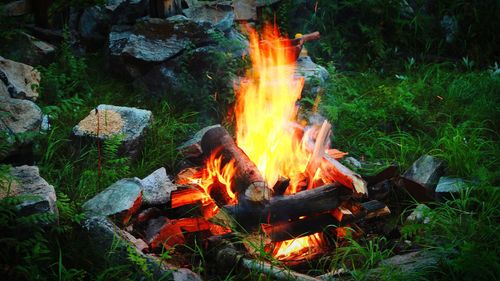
x: 247, y: 180
x: 289, y: 207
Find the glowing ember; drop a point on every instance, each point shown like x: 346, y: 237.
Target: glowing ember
x: 303, y: 247
x: 213, y: 173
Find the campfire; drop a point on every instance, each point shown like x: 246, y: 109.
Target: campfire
x: 279, y: 175
x: 278, y: 179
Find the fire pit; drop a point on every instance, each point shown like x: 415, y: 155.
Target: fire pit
x: 279, y: 175
x: 276, y: 188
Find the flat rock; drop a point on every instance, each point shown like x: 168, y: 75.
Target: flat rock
x: 131, y: 125
x: 38, y: 195
x: 20, y: 79
x: 157, y: 188
x: 121, y: 199
x: 156, y: 40
x: 426, y: 171
x: 102, y: 235
x: 315, y: 76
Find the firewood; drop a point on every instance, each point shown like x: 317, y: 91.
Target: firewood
x: 318, y: 151
x: 247, y: 180
x: 171, y: 233
x: 302, y: 227
x: 187, y: 196
x: 336, y: 172
x: 309, y: 225
x: 287, y: 207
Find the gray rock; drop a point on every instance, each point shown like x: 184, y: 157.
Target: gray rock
x: 220, y: 15
x: 132, y: 48
x: 19, y: 122
x: 102, y: 236
x: 449, y: 187
x: 143, y: 39
x: 419, y: 214
x: 38, y: 195
x: 157, y: 188
x: 93, y: 26
x: 19, y: 79
x: 127, y: 11
x: 121, y: 199
x: 135, y: 123
x: 96, y: 21
x: 29, y: 50
x: 315, y: 76
x: 192, y: 147
x: 426, y: 171
x: 19, y: 116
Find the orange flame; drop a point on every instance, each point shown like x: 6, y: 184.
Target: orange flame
x: 297, y: 248
x: 266, y: 130
x: 265, y: 108
x: 214, y: 172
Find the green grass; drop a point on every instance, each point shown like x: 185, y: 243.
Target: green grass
x: 441, y: 109
x: 436, y: 109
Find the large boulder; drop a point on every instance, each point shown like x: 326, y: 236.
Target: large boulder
x: 120, y: 200
x: 19, y: 79
x: 37, y: 195
x: 108, y: 121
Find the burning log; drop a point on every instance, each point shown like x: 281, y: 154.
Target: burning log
x: 302, y: 227
x: 309, y: 225
x: 247, y: 180
x: 335, y: 171
x: 288, y: 207
x: 187, y: 196
x: 171, y: 233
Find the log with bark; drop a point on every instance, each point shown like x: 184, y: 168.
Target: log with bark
x: 310, y: 225
x: 286, y: 207
x: 247, y: 182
